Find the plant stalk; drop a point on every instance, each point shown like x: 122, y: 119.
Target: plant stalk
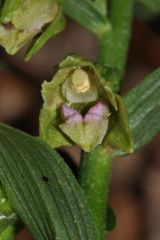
x: 114, y: 43
x: 95, y: 171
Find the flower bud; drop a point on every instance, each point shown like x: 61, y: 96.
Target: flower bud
x: 22, y: 21
x: 81, y: 108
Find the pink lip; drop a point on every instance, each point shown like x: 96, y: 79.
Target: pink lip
x: 95, y: 113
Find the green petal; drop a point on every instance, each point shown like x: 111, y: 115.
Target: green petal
x: 119, y: 135
x: 49, y: 130
x: 55, y: 27
x: 51, y: 91
x: 50, y: 113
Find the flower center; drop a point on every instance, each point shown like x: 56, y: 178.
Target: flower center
x: 80, y: 81
x: 79, y: 88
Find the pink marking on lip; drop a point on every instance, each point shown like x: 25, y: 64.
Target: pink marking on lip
x: 76, y: 118
x: 96, y: 112
x: 71, y: 115
x: 67, y: 112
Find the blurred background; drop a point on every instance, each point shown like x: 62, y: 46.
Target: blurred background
x: 135, y: 183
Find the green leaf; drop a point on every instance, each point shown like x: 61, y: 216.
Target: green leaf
x: 85, y: 13
x: 143, y: 103
x: 111, y: 219
x: 8, y: 218
x: 114, y: 45
x: 42, y: 190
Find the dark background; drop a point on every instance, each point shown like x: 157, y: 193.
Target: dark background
x: 135, y: 184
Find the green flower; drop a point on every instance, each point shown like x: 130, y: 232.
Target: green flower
x: 81, y: 108
x: 22, y: 21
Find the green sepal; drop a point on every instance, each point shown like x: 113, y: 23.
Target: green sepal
x: 50, y: 113
x: 49, y: 130
x: 119, y: 135
x: 56, y: 26
x: 53, y: 101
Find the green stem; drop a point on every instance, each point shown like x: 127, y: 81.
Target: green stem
x: 114, y: 44
x: 95, y: 173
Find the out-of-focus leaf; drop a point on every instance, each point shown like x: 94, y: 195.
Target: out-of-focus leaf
x: 85, y: 13
x: 143, y: 103
x: 42, y: 189
x: 147, y: 9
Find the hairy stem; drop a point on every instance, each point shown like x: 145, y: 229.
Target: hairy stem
x: 114, y: 44
x: 95, y: 173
